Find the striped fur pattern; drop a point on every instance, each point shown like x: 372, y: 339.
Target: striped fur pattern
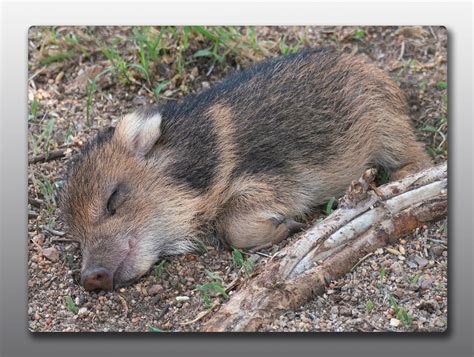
x: 242, y: 161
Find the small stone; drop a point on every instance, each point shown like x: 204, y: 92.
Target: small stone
x: 51, y: 254
x: 392, y: 251
x: 155, y: 289
x: 38, y: 239
x: 422, y: 262
x: 345, y: 311
x: 396, y: 268
x: 425, y: 281
x: 83, y: 311
x: 59, y: 77
x: 411, y: 264
x: 394, y: 322
x: 437, y: 250
x: 334, y: 310
x: 399, y: 293
x: 379, y: 251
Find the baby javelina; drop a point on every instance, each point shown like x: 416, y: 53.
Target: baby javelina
x: 243, y: 161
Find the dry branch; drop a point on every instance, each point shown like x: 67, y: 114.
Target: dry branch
x: 52, y: 155
x: 366, y: 220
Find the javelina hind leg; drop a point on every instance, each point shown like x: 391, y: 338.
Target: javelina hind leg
x: 400, y: 153
x: 414, y: 160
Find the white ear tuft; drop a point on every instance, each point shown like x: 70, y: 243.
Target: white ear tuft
x: 139, y: 132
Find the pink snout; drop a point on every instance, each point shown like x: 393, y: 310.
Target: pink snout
x: 97, y: 278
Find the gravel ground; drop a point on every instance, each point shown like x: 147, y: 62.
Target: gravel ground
x: 78, y: 84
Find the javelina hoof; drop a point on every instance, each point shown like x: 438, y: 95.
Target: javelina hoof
x: 97, y: 279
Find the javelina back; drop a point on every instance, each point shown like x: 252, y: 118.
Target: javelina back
x: 244, y: 161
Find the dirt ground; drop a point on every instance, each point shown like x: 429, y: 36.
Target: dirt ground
x: 82, y: 79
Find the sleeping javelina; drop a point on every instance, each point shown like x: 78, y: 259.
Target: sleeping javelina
x: 242, y: 161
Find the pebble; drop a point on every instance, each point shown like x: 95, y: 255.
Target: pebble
x: 412, y: 264
x: 439, y: 322
x: 182, y: 298
x: 394, y: 322
x: 83, y: 311
x: 437, y: 250
x: 396, y: 268
x: 344, y: 311
x: 422, y: 262
x: 392, y: 251
x: 59, y: 77
x: 38, y: 239
x: 51, y: 254
x: 425, y: 281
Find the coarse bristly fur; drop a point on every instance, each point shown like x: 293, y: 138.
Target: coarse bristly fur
x: 243, y: 160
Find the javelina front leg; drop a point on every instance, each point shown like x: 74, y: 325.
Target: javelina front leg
x: 283, y: 229
x: 247, y: 231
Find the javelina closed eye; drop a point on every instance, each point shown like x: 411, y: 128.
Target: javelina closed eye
x: 244, y: 161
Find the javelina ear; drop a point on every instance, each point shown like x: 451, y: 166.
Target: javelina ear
x: 139, y: 132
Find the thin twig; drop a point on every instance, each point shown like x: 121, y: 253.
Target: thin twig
x: 432, y: 32
x: 64, y: 240
x: 233, y: 283
x: 163, y: 312
x: 52, y: 155
x: 258, y: 253
x: 53, y: 231
x: 402, y: 51
x: 124, y: 304
x: 36, y: 73
x: 35, y: 202
x: 201, y: 314
x: 36, y: 245
x: 361, y: 260
x: 436, y: 240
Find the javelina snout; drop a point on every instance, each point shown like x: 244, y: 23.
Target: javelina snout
x: 97, y: 278
x: 242, y: 161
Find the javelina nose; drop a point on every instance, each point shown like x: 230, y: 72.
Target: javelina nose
x: 97, y: 278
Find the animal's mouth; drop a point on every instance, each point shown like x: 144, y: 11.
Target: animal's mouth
x: 126, y: 262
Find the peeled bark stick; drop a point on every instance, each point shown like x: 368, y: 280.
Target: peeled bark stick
x: 364, y: 222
